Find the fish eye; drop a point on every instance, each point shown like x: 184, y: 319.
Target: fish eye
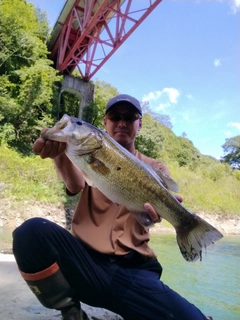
x: 79, y: 123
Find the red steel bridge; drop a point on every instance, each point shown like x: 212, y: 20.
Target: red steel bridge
x: 88, y: 32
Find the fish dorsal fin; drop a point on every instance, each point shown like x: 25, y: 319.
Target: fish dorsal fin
x: 168, y: 181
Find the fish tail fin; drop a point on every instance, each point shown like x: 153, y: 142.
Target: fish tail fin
x: 196, y: 236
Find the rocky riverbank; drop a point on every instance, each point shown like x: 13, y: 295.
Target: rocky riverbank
x: 226, y: 225
x: 12, y: 216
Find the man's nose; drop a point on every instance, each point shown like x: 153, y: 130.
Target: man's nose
x: 122, y: 123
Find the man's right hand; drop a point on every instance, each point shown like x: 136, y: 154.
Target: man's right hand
x: 48, y: 148
x: 72, y: 177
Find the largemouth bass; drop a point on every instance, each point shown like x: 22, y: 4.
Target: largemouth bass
x: 127, y: 181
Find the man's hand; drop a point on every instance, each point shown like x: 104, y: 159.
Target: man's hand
x: 153, y: 213
x: 179, y: 198
x: 66, y: 170
x: 48, y: 148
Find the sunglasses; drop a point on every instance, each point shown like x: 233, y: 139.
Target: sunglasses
x: 128, y: 117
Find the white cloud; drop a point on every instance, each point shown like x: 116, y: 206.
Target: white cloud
x: 172, y: 93
x: 162, y: 100
x: 163, y: 106
x: 217, y: 62
x: 228, y: 133
x: 235, y: 5
x: 234, y: 124
x: 186, y: 117
x: 152, y: 96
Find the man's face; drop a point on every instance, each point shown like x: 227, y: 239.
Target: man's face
x: 122, y: 123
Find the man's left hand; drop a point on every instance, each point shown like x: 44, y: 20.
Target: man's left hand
x: 153, y: 213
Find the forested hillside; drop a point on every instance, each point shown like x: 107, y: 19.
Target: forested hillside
x: 29, y: 101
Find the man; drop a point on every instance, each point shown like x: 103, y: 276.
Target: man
x: 106, y: 261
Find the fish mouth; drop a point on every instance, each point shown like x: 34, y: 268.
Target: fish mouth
x: 60, y: 131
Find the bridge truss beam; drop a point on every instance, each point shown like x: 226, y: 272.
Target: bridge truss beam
x: 88, y: 32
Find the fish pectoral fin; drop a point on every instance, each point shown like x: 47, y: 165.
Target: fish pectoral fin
x: 168, y: 182
x: 97, y: 165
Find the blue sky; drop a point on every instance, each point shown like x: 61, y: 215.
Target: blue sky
x: 185, y: 60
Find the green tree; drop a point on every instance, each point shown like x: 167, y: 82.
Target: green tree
x: 28, y: 97
x: 146, y: 146
x: 23, y: 34
x: 103, y: 92
x: 231, y: 149
x: 69, y: 104
x: 186, y: 154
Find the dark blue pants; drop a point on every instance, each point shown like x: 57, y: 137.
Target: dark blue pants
x: 128, y: 285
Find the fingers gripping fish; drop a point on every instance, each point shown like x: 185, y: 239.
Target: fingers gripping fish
x: 126, y: 180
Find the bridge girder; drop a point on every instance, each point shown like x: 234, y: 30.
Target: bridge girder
x: 88, y: 32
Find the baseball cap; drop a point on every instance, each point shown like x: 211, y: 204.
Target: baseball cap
x: 124, y: 98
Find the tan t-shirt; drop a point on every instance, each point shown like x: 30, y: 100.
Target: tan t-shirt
x: 110, y: 228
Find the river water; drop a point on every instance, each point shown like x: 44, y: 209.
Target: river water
x: 213, y: 284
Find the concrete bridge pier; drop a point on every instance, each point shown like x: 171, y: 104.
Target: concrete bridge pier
x: 82, y: 89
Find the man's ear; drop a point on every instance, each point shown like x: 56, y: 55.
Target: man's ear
x: 140, y: 125
x: 105, y: 122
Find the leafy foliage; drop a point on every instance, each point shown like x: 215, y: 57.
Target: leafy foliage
x: 23, y: 33
x: 231, y: 149
x: 69, y: 104
x: 169, y: 147
x: 26, y: 76
x: 146, y: 146
x: 102, y: 93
